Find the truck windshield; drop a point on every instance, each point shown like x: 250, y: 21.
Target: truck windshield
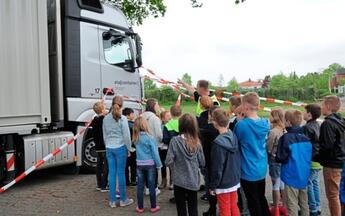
x: 117, y: 52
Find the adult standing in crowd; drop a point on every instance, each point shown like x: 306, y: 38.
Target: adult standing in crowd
x: 118, y: 146
x: 201, y: 90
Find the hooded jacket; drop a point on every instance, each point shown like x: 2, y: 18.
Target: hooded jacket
x: 155, y: 125
x: 225, y: 158
x: 251, y: 135
x: 332, y: 142
x: 185, y: 164
x: 295, y: 153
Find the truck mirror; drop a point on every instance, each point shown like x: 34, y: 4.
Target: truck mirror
x: 138, y: 46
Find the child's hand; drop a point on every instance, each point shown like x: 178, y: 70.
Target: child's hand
x: 129, y: 154
x: 212, y: 193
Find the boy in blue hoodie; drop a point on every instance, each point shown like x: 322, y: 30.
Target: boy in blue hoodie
x: 225, y: 166
x: 252, y: 132
x: 295, y: 153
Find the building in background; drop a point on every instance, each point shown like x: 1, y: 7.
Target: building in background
x: 251, y: 84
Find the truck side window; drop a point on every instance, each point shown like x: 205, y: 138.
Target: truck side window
x: 117, y: 52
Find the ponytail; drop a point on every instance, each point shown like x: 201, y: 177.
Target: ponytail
x: 116, y: 111
x: 116, y: 107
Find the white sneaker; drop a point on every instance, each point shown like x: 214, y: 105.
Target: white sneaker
x: 127, y: 202
x: 147, y: 191
x: 112, y: 204
x: 158, y: 191
x: 98, y: 188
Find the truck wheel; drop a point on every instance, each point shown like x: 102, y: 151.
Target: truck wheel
x: 89, y: 155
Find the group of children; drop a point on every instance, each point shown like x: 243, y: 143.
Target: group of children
x: 233, y: 153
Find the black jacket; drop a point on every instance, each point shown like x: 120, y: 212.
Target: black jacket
x: 226, y: 166
x: 332, y: 142
x: 312, y: 131
x: 97, y: 133
x: 203, y: 119
x: 207, y: 135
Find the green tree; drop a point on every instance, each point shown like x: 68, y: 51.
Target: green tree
x: 233, y: 85
x: 138, y: 10
x: 187, y: 78
x: 149, y: 85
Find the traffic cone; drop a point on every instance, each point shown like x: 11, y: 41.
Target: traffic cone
x: 178, y: 101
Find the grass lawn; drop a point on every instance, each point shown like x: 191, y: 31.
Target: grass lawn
x: 189, y: 107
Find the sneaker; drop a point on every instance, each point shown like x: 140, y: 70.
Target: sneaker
x: 127, y: 202
x: 98, y: 188
x: 154, y: 210
x: 139, y: 210
x: 171, y: 187
x: 158, y: 191
x: 172, y: 200
x: 104, y: 190
x: 117, y: 195
x: 147, y: 192
x: 112, y: 204
x: 204, y: 198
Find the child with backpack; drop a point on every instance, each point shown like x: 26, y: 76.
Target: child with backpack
x: 226, y: 169
x: 185, y: 157
x: 312, y: 131
x: 147, y: 162
x: 295, y: 153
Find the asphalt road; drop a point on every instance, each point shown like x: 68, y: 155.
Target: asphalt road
x: 52, y: 192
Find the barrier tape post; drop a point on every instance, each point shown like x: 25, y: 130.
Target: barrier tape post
x: 52, y: 154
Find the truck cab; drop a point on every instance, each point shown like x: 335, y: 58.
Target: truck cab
x: 69, y: 53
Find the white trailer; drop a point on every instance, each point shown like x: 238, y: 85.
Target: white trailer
x: 57, y: 58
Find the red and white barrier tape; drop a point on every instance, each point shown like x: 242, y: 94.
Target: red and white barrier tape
x: 52, y: 154
x: 269, y: 100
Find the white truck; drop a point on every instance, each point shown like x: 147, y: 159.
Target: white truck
x: 57, y: 58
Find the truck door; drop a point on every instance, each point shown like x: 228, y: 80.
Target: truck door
x: 90, y: 66
x: 113, y: 56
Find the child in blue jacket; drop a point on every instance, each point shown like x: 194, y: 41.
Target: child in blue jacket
x: 147, y: 162
x: 295, y: 153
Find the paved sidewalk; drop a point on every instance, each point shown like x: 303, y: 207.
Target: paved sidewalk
x: 53, y: 193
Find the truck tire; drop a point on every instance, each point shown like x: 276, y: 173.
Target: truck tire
x: 89, y: 155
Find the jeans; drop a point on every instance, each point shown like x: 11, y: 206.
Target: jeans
x: 102, y: 170
x: 296, y: 198
x: 163, y: 155
x: 314, y: 191
x: 117, y: 163
x: 227, y: 203
x: 332, y: 178
x: 184, y: 196
x: 255, y: 194
x: 148, y: 174
x: 132, y: 165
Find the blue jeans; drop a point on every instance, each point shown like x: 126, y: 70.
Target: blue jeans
x: 148, y: 174
x: 314, y: 191
x: 117, y: 163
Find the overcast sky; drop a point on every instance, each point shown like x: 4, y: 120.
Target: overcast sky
x: 249, y: 40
